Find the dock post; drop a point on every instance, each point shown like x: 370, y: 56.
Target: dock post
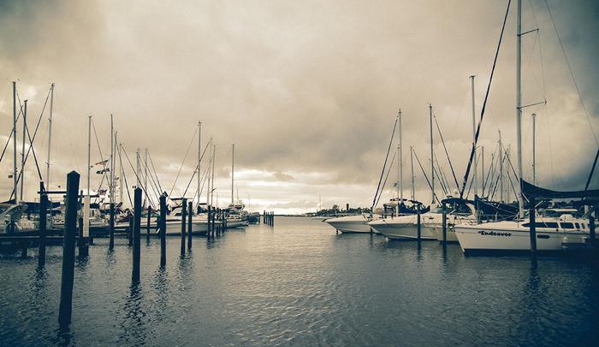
x: 41, y: 260
x: 183, y: 224
x: 136, y: 234
x: 111, y: 212
x: 68, y: 251
x: 148, y: 227
x: 533, y: 227
x: 444, y: 223
x: 162, y: 223
x: 189, y: 219
x: 419, y: 225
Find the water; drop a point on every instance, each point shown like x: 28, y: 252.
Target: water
x: 300, y: 284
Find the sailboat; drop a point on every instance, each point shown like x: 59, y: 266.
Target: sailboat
x: 403, y: 226
x: 555, y: 228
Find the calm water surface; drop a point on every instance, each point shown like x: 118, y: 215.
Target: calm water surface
x: 300, y: 284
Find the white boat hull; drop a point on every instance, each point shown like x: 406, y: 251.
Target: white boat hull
x: 481, y: 238
x: 403, y: 228
x: 350, y: 224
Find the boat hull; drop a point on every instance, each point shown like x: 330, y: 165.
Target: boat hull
x: 350, y: 224
x: 477, y: 238
x: 403, y: 228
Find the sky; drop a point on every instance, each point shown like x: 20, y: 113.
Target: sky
x: 308, y: 91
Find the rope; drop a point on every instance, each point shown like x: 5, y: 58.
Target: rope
x: 378, y: 187
x: 457, y: 185
x: 482, y: 113
x: 181, y: 167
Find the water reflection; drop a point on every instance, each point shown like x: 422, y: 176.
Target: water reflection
x: 133, y: 324
x: 64, y: 337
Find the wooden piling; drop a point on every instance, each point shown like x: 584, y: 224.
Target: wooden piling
x: 532, y: 223
x: 162, y: 223
x: 68, y: 251
x: 111, y: 212
x: 136, y: 234
x: 189, y: 220
x: 183, y: 224
x: 41, y: 260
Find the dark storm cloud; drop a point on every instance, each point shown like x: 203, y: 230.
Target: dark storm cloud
x: 299, y: 87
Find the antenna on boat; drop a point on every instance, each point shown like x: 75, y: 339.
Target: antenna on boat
x: 430, y: 107
x: 519, y: 105
x: 49, y: 135
x: 23, y: 152
x: 14, y: 139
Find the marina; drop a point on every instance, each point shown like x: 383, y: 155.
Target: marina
x: 164, y: 169
x: 297, y: 284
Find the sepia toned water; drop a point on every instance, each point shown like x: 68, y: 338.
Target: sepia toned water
x: 300, y: 284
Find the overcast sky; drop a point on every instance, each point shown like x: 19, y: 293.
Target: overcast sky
x: 307, y: 90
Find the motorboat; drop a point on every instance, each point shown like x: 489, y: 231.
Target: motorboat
x: 353, y: 224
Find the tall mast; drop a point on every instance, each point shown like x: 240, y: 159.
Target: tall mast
x: 89, y: 146
x: 111, y: 185
x: 232, y: 173
x: 122, y: 169
x: 400, y: 162
x: 208, y: 178
x: 146, y: 177
x: 430, y: 107
x: 500, y: 169
x: 474, y: 174
x: 23, y: 152
x: 412, y: 168
x: 14, y: 139
x: 212, y: 179
x: 482, y: 177
x: 199, y: 159
x: 519, y: 106
x: 534, y: 163
x: 49, y: 136
x: 138, y: 167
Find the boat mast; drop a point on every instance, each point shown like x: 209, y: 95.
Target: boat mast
x: 519, y: 105
x: 232, y: 173
x: 482, y: 177
x: 430, y: 107
x: 199, y: 159
x: 212, y: 178
x: 534, y: 174
x: 208, y: 188
x: 14, y: 139
x: 111, y: 185
x: 23, y: 152
x: 412, y: 168
x: 89, y: 146
x: 474, y: 164
x: 500, y: 169
x: 145, y: 177
x: 400, y: 163
x: 49, y: 136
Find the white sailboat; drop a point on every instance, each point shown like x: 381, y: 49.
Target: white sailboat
x: 403, y: 227
x: 555, y: 229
